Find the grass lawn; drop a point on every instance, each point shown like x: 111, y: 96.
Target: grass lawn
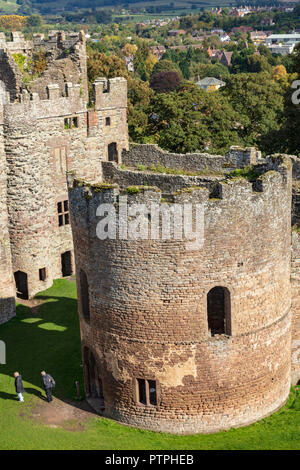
x: 49, y: 339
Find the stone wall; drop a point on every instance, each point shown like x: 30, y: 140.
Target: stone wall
x: 148, y: 307
x: 151, y: 154
x: 7, y: 291
x: 66, y: 57
x: 167, y: 183
x: 10, y: 75
x: 44, y: 139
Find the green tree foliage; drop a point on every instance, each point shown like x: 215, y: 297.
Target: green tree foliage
x: 165, y: 65
x: 191, y: 119
x: 209, y: 70
x: 259, y: 102
x: 287, y: 139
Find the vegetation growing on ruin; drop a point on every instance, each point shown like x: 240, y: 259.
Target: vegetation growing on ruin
x: 177, y: 171
x: 133, y: 189
x: 100, y: 187
x: 55, y: 327
x: 249, y: 172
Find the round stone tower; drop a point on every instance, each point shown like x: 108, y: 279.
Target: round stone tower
x: 182, y: 335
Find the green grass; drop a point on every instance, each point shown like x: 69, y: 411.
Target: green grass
x: 50, y: 340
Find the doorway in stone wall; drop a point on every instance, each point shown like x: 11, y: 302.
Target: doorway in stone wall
x: 113, y: 152
x: 66, y: 264
x: 21, y: 284
x: 93, y: 381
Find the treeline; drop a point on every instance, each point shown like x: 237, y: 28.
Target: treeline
x: 253, y: 109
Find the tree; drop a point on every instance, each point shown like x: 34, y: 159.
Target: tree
x: 164, y: 82
x: 279, y: 72
x: 35, y: 21
x: 129, y: 49
x: 190, y: 119
x: 165, y: 65
x: 259, y: 103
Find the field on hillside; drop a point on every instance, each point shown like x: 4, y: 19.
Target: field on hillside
x: 8, y: 7
x: 47, y: 337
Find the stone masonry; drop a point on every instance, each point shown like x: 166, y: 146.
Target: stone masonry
x: 46, y: 130
x: 173, y: 339
x: 149, y: 353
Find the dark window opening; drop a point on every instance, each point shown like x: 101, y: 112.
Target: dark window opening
x: 218, y: 311
x: 142, y: 391
x: 71, y: 122
x: 113, y: 152
x: 107, y: 121
x: 84, y: 296
x: 66, y: 264
x: 42, y: 274
x: 21, y: 285
x: 63, y: 213
x: 146, y: 392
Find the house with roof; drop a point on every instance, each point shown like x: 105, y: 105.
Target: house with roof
x: 210, y: 84
x: 225, y: 58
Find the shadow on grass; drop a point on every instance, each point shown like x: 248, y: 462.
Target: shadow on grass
x: 47, y: 338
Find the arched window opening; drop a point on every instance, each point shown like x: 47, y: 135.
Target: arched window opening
x: 84, y: 296
x: 218, y: 311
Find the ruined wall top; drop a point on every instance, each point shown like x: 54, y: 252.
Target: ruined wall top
x: 17, y: 44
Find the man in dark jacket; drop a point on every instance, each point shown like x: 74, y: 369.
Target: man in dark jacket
x: 19, y: 386
x: 48, y: 383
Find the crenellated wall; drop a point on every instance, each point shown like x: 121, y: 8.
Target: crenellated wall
x: 148, y: 305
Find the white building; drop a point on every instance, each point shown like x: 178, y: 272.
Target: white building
x: 292, y: 38
x: 282, y: 49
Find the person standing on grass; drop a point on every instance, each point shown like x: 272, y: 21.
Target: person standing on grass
x: 19, y: 386
x: 48, y: 383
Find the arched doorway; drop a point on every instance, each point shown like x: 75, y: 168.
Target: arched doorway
x: 218, y: 311
x: 112, y: 151
x: 21, y: 284
x: 93, y: 380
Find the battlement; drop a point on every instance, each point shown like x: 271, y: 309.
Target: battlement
x: 59, y: 40
x: 110, y: 93
x: 17, y: 43
x: 34, y: 107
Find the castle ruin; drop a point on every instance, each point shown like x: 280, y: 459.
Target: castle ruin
x: 173, y: 339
